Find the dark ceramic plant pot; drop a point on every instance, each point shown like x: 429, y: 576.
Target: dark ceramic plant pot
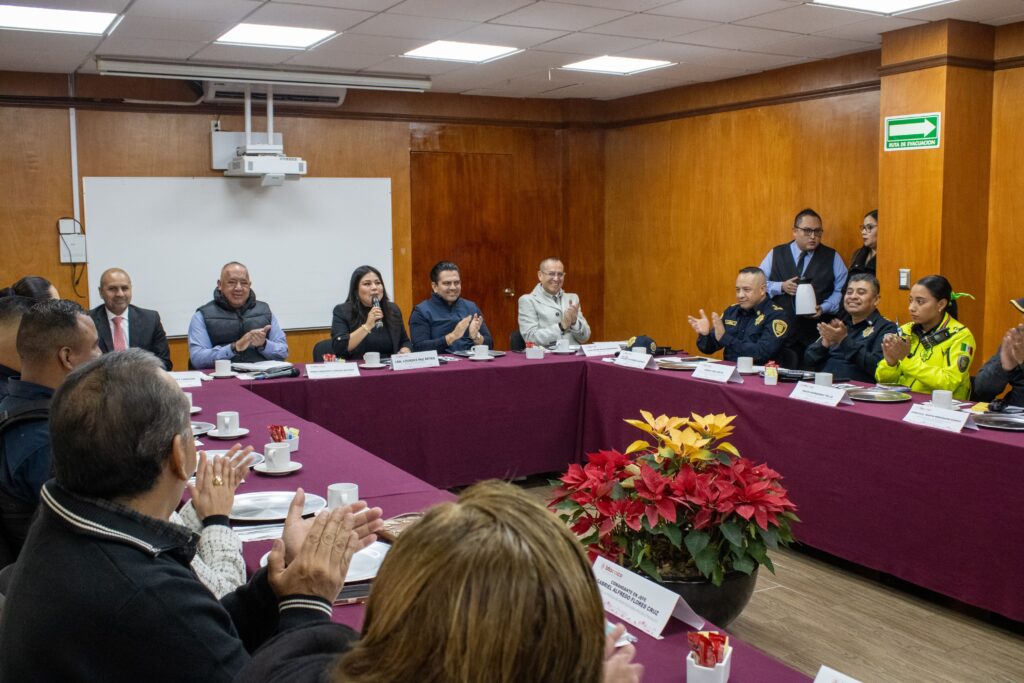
x: 718, y: 604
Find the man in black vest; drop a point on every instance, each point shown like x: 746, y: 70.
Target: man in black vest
x: 121, y: 325
x: 805, y: 259
x: 234, y: 325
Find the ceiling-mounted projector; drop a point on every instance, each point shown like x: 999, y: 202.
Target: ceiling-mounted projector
x: 274, y: 169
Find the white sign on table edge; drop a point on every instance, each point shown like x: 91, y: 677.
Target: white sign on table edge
x: 331, y: 370
x: 939, y: 418
x: 827, y: 674
x: 639, y: 601
x: 820, y: 394
x: 718, y: 372
x: 412, y: 361
x: 600, y: 349
x: 633, y: 359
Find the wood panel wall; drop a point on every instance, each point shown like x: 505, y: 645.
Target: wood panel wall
x: 690, y: 202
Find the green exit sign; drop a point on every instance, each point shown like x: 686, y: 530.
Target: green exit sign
x: 917, y: 131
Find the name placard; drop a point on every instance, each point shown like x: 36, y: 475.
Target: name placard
x: 829, y: 675
x: 820, y: 394
x: 411, y: 361
x: 600, y: 349
x: 639, y: 601
x: 632, y: 359
x: 331, y: 370
x: 718, y: 372
x: 188, y: 379
x: 939, y: 418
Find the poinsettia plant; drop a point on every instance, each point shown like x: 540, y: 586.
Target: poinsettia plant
x: 686, y: 505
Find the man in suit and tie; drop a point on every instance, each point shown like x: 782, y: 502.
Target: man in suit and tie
x: 121, y: 325
x: 548, y: 313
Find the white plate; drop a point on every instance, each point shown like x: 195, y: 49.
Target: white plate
x: 230, y: 374
x: 215, y: 434
x: 479, y: 358
x: 293, y: 466
x: 378, y: 366
x: 202, y: 428
x: 195, y: 409
x: 254, y: 457
x: 365, y: 564
x: 565, y: 352
x: 271, y: 506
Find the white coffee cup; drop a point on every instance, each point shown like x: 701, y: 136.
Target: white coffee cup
x: 222, y: 367
x: 227, y: 422
x: 942, y: 399
x: 341, y: 494
x: 562, y: 345
x: 278, y: 455
x: 745, y: 364
x: 480, y: 351
x: 371, y: 358
x: 189, y: 397
x: 823, y: 378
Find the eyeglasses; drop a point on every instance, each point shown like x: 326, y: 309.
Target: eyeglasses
x: 554, y: 275
x: 811, y: 232
x: 868, y: 228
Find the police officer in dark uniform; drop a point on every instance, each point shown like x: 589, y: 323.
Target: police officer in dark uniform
x: 753, y: 326
x: 850, y: 346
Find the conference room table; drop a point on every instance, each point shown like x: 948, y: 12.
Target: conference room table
x: 327, y: 458
x: 937, y: 509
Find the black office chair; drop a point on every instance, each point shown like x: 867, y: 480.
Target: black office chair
x: 516, y: 341
x: 320, y: 348
x: 788, y: 358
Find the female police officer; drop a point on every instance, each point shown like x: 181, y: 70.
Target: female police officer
x: 933, y: 352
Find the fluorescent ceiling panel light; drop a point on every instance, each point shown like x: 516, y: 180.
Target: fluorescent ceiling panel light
x: 887, y: 7
x: 201, y: 72
x: 265, y: 35
x: 54, y: 20
x: 622, y: 66
x: 452, y: 51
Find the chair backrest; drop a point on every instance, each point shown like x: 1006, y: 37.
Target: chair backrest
x: 516, y: 341
x: 320, y: 348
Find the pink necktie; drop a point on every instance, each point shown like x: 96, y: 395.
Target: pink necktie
x: 120, y: 343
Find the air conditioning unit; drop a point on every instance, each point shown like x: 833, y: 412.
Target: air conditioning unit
x: 220, y: 92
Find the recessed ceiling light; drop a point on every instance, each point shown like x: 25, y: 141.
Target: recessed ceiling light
x: 54, y: 20
x: 622, y: 66
x: 450, y: 50
x: 882, y: 6
x: 264, y: 35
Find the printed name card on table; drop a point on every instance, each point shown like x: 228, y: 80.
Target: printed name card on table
x: 820, y: 394
x: 331, y: 370
x: 639, y: 601
x: 939, y: 418
x: 718, y: 372
x: 411, y: 361
x: 600, y: 349
x: 189, y: 379
x: 630, y: 359
x: 829, y: 675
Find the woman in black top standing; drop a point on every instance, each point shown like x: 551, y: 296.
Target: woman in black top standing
x: 367, y: 320
x: 863, y: 260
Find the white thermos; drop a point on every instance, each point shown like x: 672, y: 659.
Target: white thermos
x: 806, y: 303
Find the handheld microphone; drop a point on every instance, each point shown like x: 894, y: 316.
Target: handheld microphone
x: 376, y: 304
x: 280, y: 372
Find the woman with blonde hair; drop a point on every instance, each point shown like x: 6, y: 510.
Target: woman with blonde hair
x: 491, y: 588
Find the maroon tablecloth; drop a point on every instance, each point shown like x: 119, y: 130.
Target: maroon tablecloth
x: 456, y: 424
x: 943, y: 511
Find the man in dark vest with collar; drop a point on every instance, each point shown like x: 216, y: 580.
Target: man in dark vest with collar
x: 234, y: 325
x: 805, y: 259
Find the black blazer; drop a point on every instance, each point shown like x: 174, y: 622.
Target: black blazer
x: 145, y: 331
x: 346, y: 319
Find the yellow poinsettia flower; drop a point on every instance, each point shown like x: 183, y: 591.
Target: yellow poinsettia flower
x: 715, y: 426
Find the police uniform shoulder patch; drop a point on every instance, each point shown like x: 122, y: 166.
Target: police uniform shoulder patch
x: 868, y: 331
x: 779, y: 327
x: 963, y: 362
x: 759, y: 319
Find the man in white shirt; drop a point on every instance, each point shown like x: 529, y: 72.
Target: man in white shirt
x: 548, y: 313
x: 121, y: 326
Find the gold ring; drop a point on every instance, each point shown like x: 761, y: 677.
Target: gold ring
x: 218, y: 481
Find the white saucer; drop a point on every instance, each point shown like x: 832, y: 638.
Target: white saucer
x: 215, y: 434
x: 378, y: 366
x: 481, y: 357
x: 230, y: 374
x: 195, y: 409
x: 565, y: 352
x: 293, y: 466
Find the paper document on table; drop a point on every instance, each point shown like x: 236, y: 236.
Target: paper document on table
x: 260, y: 532
x: 261, y: 366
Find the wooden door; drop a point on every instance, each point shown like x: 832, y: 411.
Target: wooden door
x: 463, y: 211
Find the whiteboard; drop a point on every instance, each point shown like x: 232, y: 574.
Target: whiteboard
x: 301, y: 241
